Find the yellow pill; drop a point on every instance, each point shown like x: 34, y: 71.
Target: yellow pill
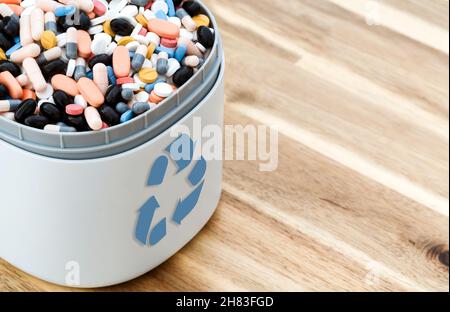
x: 2, y: 55
x: 48, y: 40
x: 141, y: 20
x: 125, y: 40
x: 201, y: 20
x: 148, y: 75
x: 107, y: 28
x: 151, y: 49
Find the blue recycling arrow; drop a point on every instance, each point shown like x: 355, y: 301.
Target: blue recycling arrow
x: 158, y: 232
x: 198, y: 172
x: 158, y: 171
x: 185, y: 206
x: 181, y: 151
x: 146, y: 214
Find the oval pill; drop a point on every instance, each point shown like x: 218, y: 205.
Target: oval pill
x: 90, y: 92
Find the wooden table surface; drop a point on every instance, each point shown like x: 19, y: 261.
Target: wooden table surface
x: 360, y: 198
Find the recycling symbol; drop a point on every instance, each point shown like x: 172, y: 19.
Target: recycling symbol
x: 180, y: 152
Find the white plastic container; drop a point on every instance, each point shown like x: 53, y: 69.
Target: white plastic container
x: 77, y: 209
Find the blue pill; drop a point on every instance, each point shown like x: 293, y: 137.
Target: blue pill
x: 16, y: 39
x: 161, y: 15
x: 127, y: 116
x: 171, y: 6
x: 180, y: 52
x: 150, y: 86
x: 14, y: 48
x: 90, y: 75
x: 111, y: 77
x: 66, y: 10
x: 169, y: 51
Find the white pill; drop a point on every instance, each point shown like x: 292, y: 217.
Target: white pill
x: 98, y: 20
x: 174, y: 65
x: 175, y: 20
x: 142, y: 40
x: 152, y: 37
x: 95, y: 29
x: 160, y: 5
x: 142, y: 97
x: 100, y: 43
x: 111, y: 48
x: 147, y: 64
x: 132, y: 86
x: 132, y: 46
x: 27, y: 3
x: 163, y: 89
x: 8, y: 115
x: 79, y: 99
x: 61, y: 40
x: 186, y: 34
x: 46, y: 93
x: 71, y: 67
x: 149, y: 14
x: 130, y: 10
x: 136, y: 30
x: 117, y: 5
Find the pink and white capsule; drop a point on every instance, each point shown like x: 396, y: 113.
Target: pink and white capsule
x: 34, y: 73
x: 38, y: 22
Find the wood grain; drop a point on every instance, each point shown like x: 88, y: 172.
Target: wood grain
x: 360, y: 198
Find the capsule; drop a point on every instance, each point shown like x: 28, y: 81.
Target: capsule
x: 25, y: 30
x: 59, y: 128
x: 139, y: 57
x: 71, y: 44
x: 49, y: 55
x: 30, y: 50
x: 101, y: 77
x: 162, y: 65
x: 9, y: 105
x: 37, y: 21
x: 93, y: 118
x: 140, y: 107
x: 34, y: 73
x: 50, y: 22
x: 186, y: 19
x: 80, y: 69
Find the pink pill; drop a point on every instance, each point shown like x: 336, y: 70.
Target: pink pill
x: 93, y: 118
x: 74, y: 109
x: 99, y: 8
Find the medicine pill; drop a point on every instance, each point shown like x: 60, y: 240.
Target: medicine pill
x: 118, y: 59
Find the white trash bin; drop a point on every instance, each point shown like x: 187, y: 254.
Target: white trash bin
x: 96, y: 209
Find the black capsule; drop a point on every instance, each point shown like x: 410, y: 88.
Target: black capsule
x: 205, y: 36
x: 182, y: 75
x: 100, y: 58
x: 109, y: 115
x: 62, y: 99
x: 50, y: 111
x: 10, y: 26
x: 25, y: 109
x: 5, y: 43
x: 121, y: 27
x: 78, y: 122
x: 37, y: 121
x: 54, y: 68
x: 11, y: 67
x: 192, y: 7
x: 113, y: 95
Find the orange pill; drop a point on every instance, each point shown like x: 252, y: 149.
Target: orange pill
x: 121, y: 61
x: 84, y: 43
x: 28, y: 94
x: 64, y: 83
x: 11, y: 84
x: 90, y: 92
x: 17, y: 9
x: 163, y: 28
x: 155, y: 98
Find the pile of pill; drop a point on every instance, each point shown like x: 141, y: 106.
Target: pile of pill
x: 82, y: 65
